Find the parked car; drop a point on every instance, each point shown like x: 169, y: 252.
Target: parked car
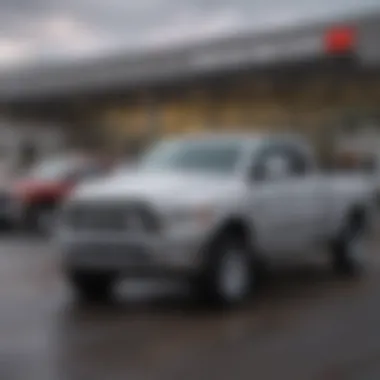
x: 376, y: 174
x: 5, y: 197
x: 211, y: 209
x: 35, y: 197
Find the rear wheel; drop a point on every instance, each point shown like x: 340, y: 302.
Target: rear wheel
x: 92, y: 286
x: 351, y: 251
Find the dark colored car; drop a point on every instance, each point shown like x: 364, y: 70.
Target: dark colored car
x: 36, y: 196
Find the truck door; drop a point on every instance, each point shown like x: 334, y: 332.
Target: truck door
x: 281, y: 199
x: 309, y: 196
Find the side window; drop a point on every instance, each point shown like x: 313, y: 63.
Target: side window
x: 272, y: 165
x: 278, y: 162
x: 298, y: 162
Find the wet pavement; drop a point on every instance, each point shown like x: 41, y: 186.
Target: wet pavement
x: 305, y: 324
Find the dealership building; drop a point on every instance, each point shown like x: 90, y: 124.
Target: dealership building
x: 320, y: 79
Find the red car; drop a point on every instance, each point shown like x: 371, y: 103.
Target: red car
x: 37, y: 195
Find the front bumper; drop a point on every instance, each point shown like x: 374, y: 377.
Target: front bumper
x: 132, y: 255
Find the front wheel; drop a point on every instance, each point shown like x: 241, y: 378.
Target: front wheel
x: 229, y: 276
x: 91, y: 286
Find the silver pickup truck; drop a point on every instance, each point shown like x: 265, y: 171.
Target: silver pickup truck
x: 212, y: 208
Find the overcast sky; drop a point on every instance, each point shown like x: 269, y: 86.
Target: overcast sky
x: 34, y: 30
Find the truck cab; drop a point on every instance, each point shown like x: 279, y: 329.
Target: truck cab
x: 210, y: 208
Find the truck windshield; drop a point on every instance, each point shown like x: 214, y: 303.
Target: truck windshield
x: 204, y: 156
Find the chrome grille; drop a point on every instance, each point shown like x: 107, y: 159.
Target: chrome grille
x: 112, y: 217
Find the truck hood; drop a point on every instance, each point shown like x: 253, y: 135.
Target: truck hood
x: 158, y: 187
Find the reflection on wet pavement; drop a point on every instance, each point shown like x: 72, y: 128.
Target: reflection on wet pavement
x: 304, y: 324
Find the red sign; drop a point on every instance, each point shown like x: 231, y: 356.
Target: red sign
x: 339, y: 40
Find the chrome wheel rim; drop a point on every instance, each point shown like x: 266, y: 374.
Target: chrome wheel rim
x: 233, y: 276
x: 357, y: 249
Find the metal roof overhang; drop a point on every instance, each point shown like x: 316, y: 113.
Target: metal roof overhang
x: 290, y: 46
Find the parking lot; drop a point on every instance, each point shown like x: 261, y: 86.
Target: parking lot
x: 305, y: 324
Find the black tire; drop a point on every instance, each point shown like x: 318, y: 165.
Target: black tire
x: 350, y: 251
x: 92, y: 286
x: 229, y: 249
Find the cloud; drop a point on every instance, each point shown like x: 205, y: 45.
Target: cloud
x: 12, y: 52
x: 39, y: 30
x: 61, y: 34
x: 194, y: 26
x: 56, y: 37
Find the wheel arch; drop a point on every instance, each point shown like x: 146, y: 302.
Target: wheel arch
x: 234, y: 225
x: 358, y: 214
